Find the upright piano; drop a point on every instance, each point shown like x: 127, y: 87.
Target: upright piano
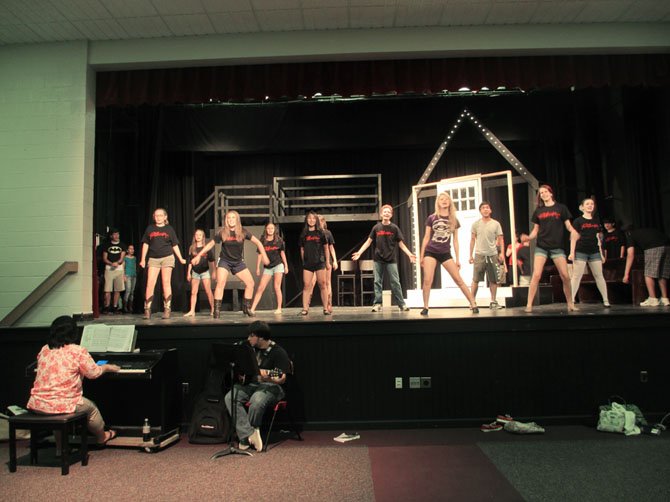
x: 146, y: 387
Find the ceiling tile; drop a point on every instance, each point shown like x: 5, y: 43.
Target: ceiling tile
x: 371, y: 17
x: 234, y: 22
x: 602, y: 11
x: 328, y: 18
x: 280, y: 20
x: 465, y: 13
x: 554, y: 12
x: 130, y: 8
x: 226, y: 5
x: 101, y: 29
x: 58, y: 32
x: 316, y: 4
x: 38, y: 11
x: 426, y: 14
x: 191, y: 24
x: 18, y: 34
x: 646, y: 11
x: 511, y: 12
x: 176, y: 7
x: 81, y: 9
x: 145, y: 27
x: 269, y: 5
x: 7, y: 17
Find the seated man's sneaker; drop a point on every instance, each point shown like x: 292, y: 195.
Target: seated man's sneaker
x: 244, y: 444
x: 255, y: 440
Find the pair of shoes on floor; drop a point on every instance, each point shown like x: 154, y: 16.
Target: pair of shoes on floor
x: 651, y: 302
x: 492, y: 427
x: 523, y: 428
x: 255, y: 440
x: 376, y: 307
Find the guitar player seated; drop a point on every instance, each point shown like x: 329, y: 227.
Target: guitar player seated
x: 263, y: 391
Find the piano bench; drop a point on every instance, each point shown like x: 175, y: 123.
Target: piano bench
x: 75, y: 423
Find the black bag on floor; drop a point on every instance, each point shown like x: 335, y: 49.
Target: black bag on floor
x: 210, y: 423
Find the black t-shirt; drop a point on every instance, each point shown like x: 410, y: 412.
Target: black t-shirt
x: 552, y: 227
x: 385, y: 239
x: 114, y: 250
x: 273, y: 249
x: 203, y: 265
x: 274, y: 357
x: 160, y: 240
x: 612, y: 243
x: 329, y: 236
x: 588, y: 232
x: 312, y: 241
x: 646, y: 238
x: 232, y: 250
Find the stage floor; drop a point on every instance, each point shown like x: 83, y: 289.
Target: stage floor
x: 365, y: 314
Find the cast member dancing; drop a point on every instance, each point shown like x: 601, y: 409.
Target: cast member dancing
x: 275, y: 250
x: 331, y: 263
x: 588, y: 249
x: 231, y: 260
x: 441, y: 226
x: 160, y: 245
x: 386, y: 236
x: 549, y: 219
x: 129, y: 278
x: 314, y: 252
x: 487, y: 244
x: 200, y: 272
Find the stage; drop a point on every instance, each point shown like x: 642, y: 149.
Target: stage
x: 550, y: 364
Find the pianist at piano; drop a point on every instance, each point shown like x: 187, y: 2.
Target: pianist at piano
x: 62, y: 365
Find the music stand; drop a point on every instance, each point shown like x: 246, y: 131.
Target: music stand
x: 231, y: 356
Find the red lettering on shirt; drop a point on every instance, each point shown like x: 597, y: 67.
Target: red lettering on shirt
x: 555, y: 215
x: 382, y: 233
x: 271, y: 248
x: 313, y: 238
x: 153, y: 235
x: 590, y: 225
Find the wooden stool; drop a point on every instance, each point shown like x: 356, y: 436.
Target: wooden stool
x: 64, y: 423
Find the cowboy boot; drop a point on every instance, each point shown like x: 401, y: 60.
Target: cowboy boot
x: 217, y: 309
x: 247, y: 308
x: 147, y: 307
x: 167, y: 307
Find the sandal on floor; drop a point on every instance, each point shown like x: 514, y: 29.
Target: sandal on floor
x: 303, y: 312
x: 109, y: 435
x: 326, y: 312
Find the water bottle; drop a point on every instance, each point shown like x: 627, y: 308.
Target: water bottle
x: 146, y: 431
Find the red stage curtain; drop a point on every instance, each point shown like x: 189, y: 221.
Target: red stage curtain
x: 290, y: 80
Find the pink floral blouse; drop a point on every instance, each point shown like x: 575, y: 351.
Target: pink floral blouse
x: 60, y: 372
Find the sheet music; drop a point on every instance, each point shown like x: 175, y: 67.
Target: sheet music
x: 104, y: 338
x: 95, y: 337
x: 122, y: 338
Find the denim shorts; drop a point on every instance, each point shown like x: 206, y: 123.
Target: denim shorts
x: 579, y: 256
x: 232, y: 267
x: 550, y: 253
x: 277, y: 269
x: 204, y: 275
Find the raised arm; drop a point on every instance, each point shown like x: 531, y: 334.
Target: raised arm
x: 261, y: 250
x: 202, y: 252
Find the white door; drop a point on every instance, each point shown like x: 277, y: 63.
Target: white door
x: 466, y: 194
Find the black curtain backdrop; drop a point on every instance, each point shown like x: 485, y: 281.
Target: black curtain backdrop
x: 290, y: 80
x: 609, y: 142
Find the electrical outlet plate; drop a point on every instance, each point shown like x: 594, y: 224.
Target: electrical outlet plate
x: 426, y: 382
x: 398, y: 382
x: 414, y: 382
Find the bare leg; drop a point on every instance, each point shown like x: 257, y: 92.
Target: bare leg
x: 562, y: 266
x: 166, y: 280
x: 308, y: 285
x: 429, y: 266
x: 277, y: 283
x: 663, y: 284
x: 207, y: 284
x: 195, y: 284
x: 650, y: 282
x: 494, y: 292
x: 265, y: 279
x: 538, y: 266
x: 248, y: 280
x: 221, y: 278
x: 450, y: 266
x: 473, y: 288
x: 323, y: 287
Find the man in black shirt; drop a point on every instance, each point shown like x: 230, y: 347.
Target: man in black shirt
x: 113, y: 253
x: 613, y: 241
x: 264, y: 391
x: 656, y: 248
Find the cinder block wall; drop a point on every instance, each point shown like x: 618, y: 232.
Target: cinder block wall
x: 47, y: 119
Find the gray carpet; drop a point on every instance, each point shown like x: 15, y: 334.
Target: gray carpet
x: 632, y: 469
x: 185, y: 472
